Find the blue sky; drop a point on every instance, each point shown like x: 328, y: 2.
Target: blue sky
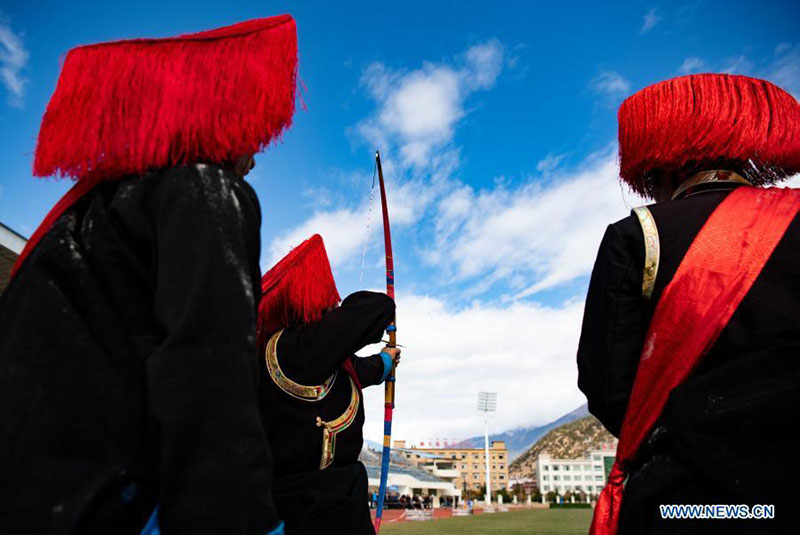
x: 497, y: 122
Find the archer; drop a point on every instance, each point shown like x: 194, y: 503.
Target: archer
x: 311, y: 395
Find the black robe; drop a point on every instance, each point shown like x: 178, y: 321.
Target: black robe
x: 726, y: 435
x: 128, y: 364
x: 335, y: 499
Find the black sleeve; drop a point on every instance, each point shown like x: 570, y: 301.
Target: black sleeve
x: 615, y: 322
x: 214, y: 463
x: 369, y: 370
x: 310, y: 353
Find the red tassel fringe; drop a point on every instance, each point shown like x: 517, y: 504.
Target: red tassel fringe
x: 126, y: 107
x: 298, y: 289
x: 695, y: 122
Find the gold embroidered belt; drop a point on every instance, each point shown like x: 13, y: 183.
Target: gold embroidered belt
x: 312, y: 394
x: 296, y: 390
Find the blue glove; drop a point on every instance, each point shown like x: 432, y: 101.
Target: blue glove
x: 387, y: 364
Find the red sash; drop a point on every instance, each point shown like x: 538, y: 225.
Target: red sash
x: 77, y: 191
x: 717, y: 272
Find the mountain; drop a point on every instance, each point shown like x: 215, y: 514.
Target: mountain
x: 569, y: 441
x: 519, y: 440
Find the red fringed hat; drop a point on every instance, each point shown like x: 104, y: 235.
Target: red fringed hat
x: 125, y: 107
x: 703, y: 121
x: 298, y: 289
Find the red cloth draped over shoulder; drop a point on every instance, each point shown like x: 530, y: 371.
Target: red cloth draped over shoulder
x: 718, y: 270
x: 65, y: 203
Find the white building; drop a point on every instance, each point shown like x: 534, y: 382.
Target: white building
x: 429, y: 475
x: 440, y: 467
x: 412, y: 482
x: 11, y: 245
x: 587, y: 475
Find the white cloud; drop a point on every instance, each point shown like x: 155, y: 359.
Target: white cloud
x: 418, y: 110
x: 520, y: 239
x: 610, y: 85
x: 413, y: 125
x: 344, y: 230
x: 534, y: 237
x: 341, y: 229
x: 738, y: 65
x: 13, y: 60
x: 549, y: 162
x: 484, y: 64
x: 649, y: 21
x: 517, y: 66
x: 423, y: 111
x: 691, y: 65
x: 524, y: 352
x: 784, y: 70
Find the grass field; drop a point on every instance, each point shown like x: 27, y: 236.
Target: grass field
x: 530, y: 522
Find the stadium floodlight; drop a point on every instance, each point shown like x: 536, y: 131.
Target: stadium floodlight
x: 487, y: 402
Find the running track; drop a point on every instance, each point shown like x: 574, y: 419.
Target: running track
x: 391, y: 516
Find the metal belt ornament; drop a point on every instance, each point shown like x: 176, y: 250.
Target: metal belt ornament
x: 391, y: 330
